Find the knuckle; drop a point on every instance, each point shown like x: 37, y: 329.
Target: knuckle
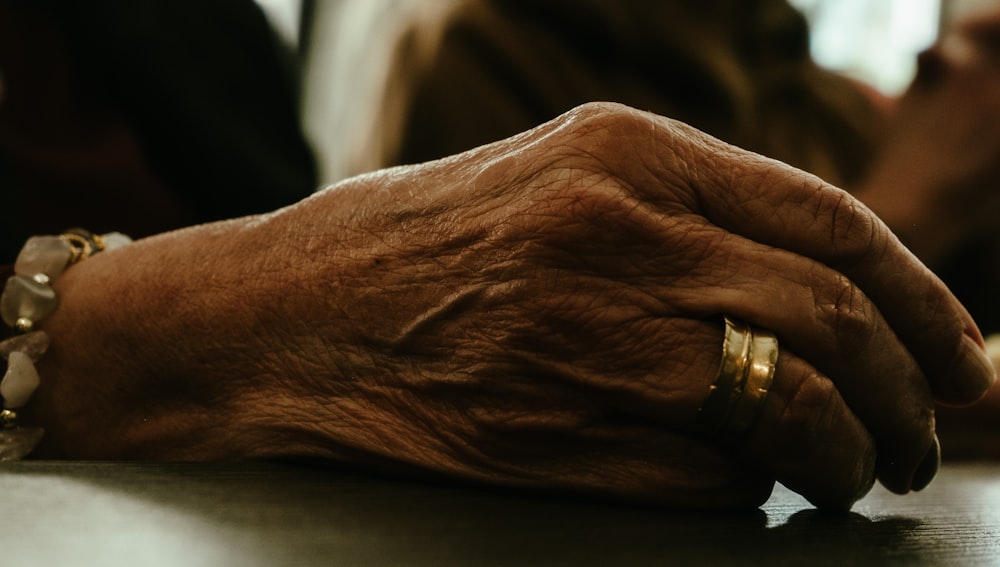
x: 651, y: 157
x: 844, y: 309
x: 855, y: 233
x: 589, y: 206
x: 597, y: 129
x: 601, y: 114
x: 810, y: 407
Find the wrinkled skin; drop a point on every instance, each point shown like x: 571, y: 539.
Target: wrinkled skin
x: 543, y: 312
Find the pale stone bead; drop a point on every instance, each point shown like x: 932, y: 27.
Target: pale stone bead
x: 17, y: 443
x: 20, y: 381
x: 24, y: 325
x: 25, y: 298
x: 33, y: 344
x: 47, y: 255
x: 993, y: 350
x: 8, y: 419
x: 114, y: 240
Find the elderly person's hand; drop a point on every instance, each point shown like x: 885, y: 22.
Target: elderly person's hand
x: 542, y: 312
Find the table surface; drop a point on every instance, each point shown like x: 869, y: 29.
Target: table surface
x: 80, y: 514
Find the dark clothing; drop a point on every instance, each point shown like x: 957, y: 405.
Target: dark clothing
x: 143, y: 116
x: 737, y: 69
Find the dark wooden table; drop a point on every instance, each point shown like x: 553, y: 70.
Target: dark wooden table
x: 186, y: 515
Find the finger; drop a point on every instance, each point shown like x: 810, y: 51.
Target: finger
x: 824, y: 317
x: 810, y: 440
x: 784, y: 208
x: 688, y: 267
x: 806, y: 436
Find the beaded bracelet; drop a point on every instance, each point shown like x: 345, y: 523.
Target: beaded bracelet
x: 28, y: 297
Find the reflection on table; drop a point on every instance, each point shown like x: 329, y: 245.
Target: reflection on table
x: 266, y: 514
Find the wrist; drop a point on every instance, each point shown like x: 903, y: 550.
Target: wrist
x: 28, y: 299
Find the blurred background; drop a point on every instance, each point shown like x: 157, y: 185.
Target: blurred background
x: 873, y: 41
x: 876, y: 40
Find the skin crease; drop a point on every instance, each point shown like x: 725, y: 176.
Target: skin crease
x: 543, y: 312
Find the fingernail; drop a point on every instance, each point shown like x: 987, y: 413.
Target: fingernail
x: 974, y: 373
x: 928, y: 467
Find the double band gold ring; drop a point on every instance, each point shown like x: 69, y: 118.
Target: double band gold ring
x: 749, y: 360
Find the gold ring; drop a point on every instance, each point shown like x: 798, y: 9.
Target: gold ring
x: 749, y: 359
